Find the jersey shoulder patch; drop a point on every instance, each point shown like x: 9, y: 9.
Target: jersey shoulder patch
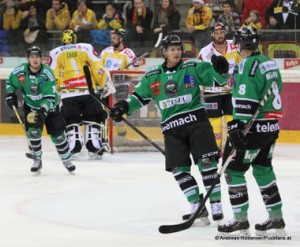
x: 154, y: 70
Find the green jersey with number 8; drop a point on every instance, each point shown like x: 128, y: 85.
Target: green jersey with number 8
x: 254, y: 76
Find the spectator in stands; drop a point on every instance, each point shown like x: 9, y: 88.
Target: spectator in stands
x: 167, y: 18
x: 11, y: 23
x: 139, y: 20
x: 83, y: 20
x: 259, y: 5
x: 253, y: 20
x: 230, y: 19
x: 111, y: 19
x: 58, y: 17
x: 284, y: 14
x: 32, y: 30
x: 198, y: 23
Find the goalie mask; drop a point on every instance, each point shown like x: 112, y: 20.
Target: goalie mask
x: 170, y: 40
x: 34, y: 50
x: 68, y: 37
x: 247, y: 37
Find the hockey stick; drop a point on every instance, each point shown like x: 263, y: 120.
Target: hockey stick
x: 87, y: 74
x: 28, y: 155
x: 187, y: 224
x: 160, y: 35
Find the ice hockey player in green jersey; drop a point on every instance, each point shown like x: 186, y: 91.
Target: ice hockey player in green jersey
x: 36, y: 82
x: 254, y: 76
x: 175, y: 87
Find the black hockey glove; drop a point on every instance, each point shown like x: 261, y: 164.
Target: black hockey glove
x: 235, y: 134
x: 40, y: 117
x: 118, y: 110
x: 11, y: 100
x: 220, y: 64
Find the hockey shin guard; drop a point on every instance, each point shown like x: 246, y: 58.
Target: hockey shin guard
x: 62, y: 145
x: 35, y: 138
x: 209, y: 168
x: 266, y: 180
x: 187, y: 183
x: 238, y: 193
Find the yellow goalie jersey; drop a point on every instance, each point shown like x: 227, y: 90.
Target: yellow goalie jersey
x: 67, y: 62
x: 232, y: 57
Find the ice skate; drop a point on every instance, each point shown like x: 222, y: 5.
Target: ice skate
x: 271, y: 228
x: 202, y: 217
x: 234, y: 228
x: 36, y: 167
x: 69, y: 166
x: 216, y: 210
x: 96, y: 155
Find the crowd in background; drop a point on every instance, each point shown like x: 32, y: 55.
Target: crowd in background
x: 27, y: 22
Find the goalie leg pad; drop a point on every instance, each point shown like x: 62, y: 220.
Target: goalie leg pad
x: 75, y: 138
x: 93, y: 132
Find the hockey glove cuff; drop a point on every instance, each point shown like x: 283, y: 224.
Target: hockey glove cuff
x: 220, y: 64
x: 11, y: 100
x: 235, y: 134
x: 118, y: 110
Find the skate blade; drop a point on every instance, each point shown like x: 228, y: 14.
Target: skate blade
x: 271, y: 233
x: 36, y: 173
x: 93, y: 156
x: 244, y: 233
x: 203, y: 221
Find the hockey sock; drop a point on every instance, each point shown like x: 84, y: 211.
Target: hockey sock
x: 238, y: 193
x: 187, y: 183
x: 266, y: 180
x: 62, y: 145
x: 35, y: 138
x: 217, y: 123
x: 208, y: 168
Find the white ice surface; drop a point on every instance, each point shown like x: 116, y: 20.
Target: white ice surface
x: 120, y: 201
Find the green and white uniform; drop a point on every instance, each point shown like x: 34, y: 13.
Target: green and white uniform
x: 38, y: 90
x: 184, y: 124
x: 254, y: 76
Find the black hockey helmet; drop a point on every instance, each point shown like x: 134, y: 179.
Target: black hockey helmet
x: 247, y: 37
x: 219, y: 26
x: 170, y: 40
x: 68, y: 37
x: 34, y: 50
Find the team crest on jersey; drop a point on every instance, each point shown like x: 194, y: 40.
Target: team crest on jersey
x: 155, y: 88
x: 188, y: 81
x: 34, y: 88
x: 171, y: 88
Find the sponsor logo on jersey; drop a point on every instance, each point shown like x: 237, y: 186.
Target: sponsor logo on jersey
x: 21, y: 78
x: 175, y: 101
x: 189, y: 81
x: 267, y: 66
x: 236, y: 196
x: 272, y: 75
x: 275, y: 114
x: 250, y: 155
x: 18, y: 69
x: 266, y: 127
x: 68, y: 47
x: 50, y: 76
x: 171, y: 88
x: 35, y: 97
x: 155, y: 88
x: 211, y: 106
x: 75, y: 83
x: 253, y: 68
x: 179, y: 122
